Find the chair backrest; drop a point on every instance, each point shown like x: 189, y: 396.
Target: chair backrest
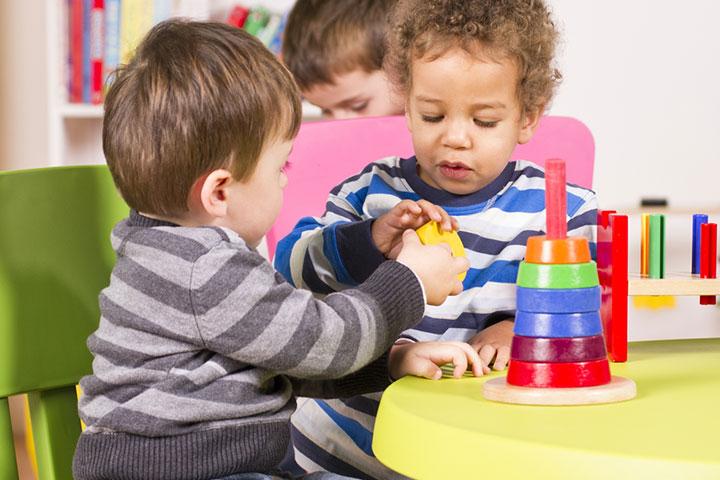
x: 326, y: 153
x: 55, y: 257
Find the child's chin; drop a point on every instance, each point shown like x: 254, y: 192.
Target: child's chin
x: 460, y: 188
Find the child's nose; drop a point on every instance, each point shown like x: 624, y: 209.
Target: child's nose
x: 457, y: 136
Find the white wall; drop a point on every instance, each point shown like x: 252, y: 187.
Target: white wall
x: 23, y: 87
x: 644, y: 75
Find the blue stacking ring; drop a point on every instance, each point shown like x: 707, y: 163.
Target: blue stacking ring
x: 555, y: 325
x: 554, y: 300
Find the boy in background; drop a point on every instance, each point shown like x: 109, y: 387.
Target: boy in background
x: 477, y: 76
x: 202, y: 346
x: 335, y: 49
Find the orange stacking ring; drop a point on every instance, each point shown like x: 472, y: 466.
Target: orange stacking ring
x: 540, y: 249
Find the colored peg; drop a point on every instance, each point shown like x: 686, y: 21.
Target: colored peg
x: 645, y: 244
x: 708, y: 257
x: 698, y: 220
x: 555, y: 199
x: 656, y: 267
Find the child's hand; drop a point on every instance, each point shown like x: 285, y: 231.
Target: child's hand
x: 434, y: 265
x: 387, y: 229
x: 423, y: 359
x: 494, y: 342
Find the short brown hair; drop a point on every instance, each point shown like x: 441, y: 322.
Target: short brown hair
x: 521, y: 30
x: 197, y: 96
x: 324, y: 38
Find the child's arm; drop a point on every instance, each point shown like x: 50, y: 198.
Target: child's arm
x: 423, y: 359
x: 344, y: 246
x: 246, y: 311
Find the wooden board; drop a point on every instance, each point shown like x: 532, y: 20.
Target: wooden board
x: 673, y: 284
x: 618, y: 390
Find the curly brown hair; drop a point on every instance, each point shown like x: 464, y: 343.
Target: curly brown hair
x: 521, y: 30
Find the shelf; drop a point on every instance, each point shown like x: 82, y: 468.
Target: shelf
x: 707, y: 209
x: 674, y: 284
x: 84, y: 110
x: 81, y: 110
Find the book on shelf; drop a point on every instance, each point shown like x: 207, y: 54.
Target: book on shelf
x: 97, y: 27
x: 136, y: 18
x: 111, y: 50
x: 75, y: 30
x: 103, y: 34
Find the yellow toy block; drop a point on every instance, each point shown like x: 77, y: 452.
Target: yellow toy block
x: 432, y: 234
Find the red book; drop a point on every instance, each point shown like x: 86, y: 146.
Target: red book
x: 75, y: 82
x: 97, y: 40
x: 238, y: 15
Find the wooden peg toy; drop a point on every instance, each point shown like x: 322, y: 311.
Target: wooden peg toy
x: 558, y: 354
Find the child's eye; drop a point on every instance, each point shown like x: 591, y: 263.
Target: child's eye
x: 483, y: 124
x: 431, y: 118
x: 286, y: 166
x: 359, y: 107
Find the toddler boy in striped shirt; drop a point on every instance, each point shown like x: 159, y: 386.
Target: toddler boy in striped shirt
x: 202, y: 345
x: 476, y: 77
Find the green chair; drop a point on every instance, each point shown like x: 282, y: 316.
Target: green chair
x: 55, y: 257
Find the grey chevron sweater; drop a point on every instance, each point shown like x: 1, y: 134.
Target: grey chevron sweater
x: 202, y: 347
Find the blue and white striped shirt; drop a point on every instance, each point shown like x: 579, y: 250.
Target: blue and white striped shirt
x: 335, y: 251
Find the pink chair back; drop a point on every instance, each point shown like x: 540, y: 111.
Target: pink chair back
x: 327, y: 152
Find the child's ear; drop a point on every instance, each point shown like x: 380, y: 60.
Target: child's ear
x: 212, y: 192
x: 529, y: 123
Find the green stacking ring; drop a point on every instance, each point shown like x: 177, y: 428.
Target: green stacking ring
x: 572, y: 275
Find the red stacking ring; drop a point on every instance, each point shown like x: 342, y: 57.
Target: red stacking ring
x: 558, y: 375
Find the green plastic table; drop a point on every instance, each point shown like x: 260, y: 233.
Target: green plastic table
x: 446, y: 430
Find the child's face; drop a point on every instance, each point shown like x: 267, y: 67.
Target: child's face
x: 355, y: 94
x: 465, y: 119
x: 256, y: 201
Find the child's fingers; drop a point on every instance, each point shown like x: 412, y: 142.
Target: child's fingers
x: 487, y: 352
x: 408, y: 206
x: 502, y: 357
x: 438, y: 214
x: 459, y: 265
x: 457, y: 287
x: 478, y: 368
x: 435, y: 213
x: 429, y: 370
x: 409, y: 237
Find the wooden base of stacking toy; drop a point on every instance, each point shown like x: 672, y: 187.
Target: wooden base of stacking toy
x: 618, y: 390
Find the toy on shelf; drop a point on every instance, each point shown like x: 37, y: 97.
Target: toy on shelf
x: 558, y: 354
x: 432, y: 234
x: 617, y: 285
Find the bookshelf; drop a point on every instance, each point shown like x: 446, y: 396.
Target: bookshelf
x: 74, y: 130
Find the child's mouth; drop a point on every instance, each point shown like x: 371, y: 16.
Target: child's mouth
x: 454, y: 171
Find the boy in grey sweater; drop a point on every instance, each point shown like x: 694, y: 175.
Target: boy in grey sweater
x: 202, y: 346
